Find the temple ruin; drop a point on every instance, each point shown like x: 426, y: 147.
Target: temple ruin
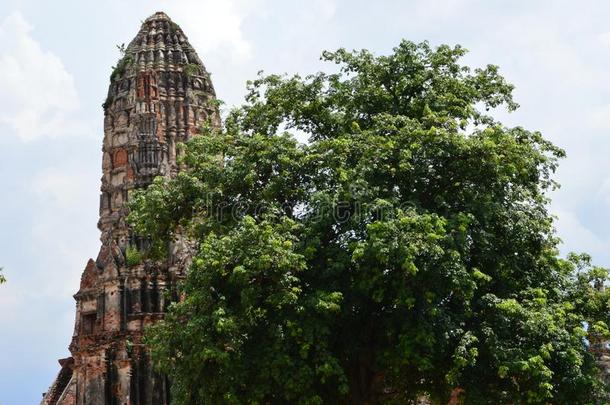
x: 160, y: 95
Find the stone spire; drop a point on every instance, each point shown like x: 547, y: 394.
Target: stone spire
x: 160, y: 94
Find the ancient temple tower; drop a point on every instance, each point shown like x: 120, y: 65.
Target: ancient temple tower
x: 160, y: 95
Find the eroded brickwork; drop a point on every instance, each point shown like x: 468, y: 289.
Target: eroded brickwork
x: 159, y: 95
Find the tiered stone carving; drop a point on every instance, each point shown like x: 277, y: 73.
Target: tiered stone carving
x: 160, y: 95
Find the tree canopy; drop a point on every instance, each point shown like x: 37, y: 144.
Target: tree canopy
x: 405, y: 250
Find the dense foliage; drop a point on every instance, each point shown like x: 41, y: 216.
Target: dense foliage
x: 405, y: 250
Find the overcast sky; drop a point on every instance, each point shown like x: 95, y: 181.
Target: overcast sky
x: 56, y: 57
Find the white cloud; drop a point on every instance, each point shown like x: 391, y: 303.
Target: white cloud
x: 576, y: 237
x: 61, y: 188
x: 604, y: 191
x: 38, y: 94
x: 439, y: 11
x: 597, y: 118
x: 604, y: 39
x: 64, y: 227
x: 325, y: 8
x: 213, y: 25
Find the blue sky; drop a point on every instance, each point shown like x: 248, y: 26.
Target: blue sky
x: 56, y: 56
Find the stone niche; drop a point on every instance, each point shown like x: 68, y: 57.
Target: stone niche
x: 88, y: 323
x: 119, y: 158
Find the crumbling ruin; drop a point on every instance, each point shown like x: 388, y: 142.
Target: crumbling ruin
x: 160, y: 95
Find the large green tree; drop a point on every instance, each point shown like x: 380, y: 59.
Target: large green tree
x: 405, y: 250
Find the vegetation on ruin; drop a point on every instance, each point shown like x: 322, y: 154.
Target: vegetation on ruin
x: 123, y: 63
x: 2, y: 278
x: 133, y: 256
x: 405, y: 250
x: 121, y: 67
x: 190, y: 69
